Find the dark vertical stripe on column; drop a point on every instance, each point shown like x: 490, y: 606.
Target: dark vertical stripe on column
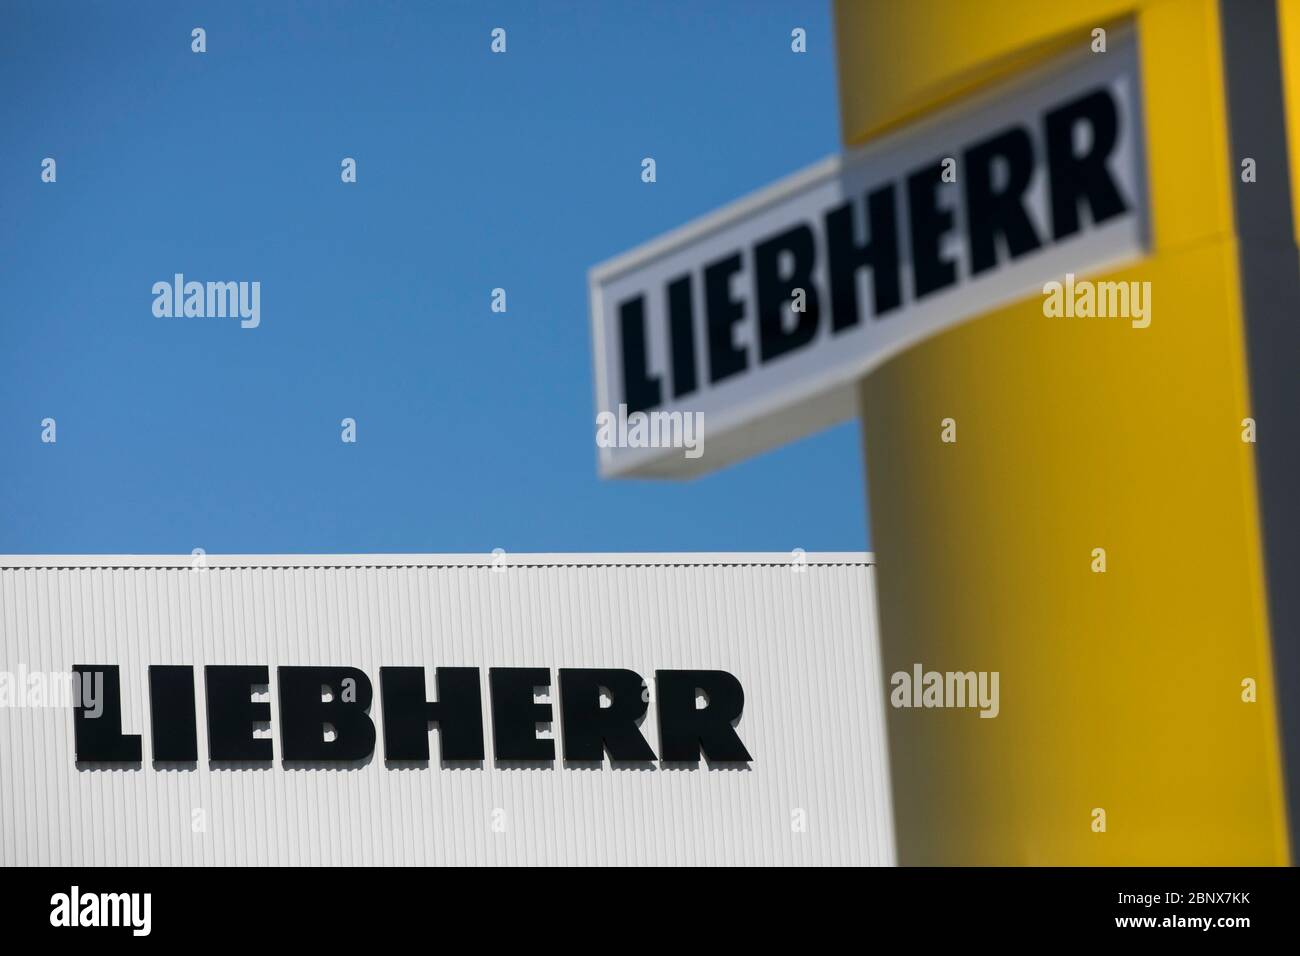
x: 1270, y: 281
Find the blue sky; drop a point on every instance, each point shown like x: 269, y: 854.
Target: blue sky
x: 475, y: 429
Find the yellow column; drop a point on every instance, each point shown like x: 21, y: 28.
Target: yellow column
x: 1120, y: 691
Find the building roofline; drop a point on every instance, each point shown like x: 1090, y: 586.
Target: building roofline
x: 477, y: 560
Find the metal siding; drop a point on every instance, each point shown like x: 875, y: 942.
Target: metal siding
x: 802, y: 645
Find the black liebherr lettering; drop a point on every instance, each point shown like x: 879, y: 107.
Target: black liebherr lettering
x: 828, y: 257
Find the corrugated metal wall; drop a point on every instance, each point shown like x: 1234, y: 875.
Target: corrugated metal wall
x: 802, y: 644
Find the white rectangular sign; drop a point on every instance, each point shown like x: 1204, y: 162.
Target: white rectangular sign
x: 802, y: 649
x: 881, y: 247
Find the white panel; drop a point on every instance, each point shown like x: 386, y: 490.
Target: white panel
x: 802, y: 644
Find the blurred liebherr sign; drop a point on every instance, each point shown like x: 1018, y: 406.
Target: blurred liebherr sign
x: 762, y: 316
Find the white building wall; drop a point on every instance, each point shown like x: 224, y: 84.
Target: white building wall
x: 803, y: 646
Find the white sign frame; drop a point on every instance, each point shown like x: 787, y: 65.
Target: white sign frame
x: 806, y: 391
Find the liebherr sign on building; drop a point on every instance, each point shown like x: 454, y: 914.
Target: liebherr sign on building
x: 309, y: 709
x: 763, y: 315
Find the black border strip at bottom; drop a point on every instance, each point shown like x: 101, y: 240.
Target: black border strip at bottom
x: 380, y: 907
